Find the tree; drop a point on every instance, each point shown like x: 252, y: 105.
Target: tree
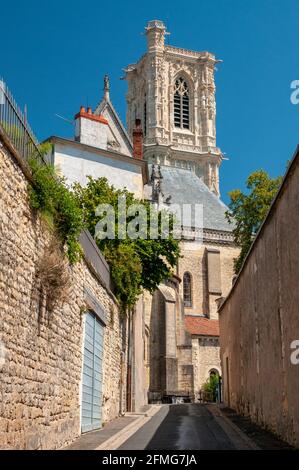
x: 247, y: 211
x: 135, y: 263
x: 211, y: 386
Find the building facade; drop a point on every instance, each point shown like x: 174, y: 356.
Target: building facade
x: 171, y: 91
x: 169, y: 345
x: 168, y: 155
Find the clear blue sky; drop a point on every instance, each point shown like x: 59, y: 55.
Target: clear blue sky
x: 54, y: 55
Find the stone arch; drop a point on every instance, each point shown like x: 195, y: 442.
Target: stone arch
x: 211, y: 369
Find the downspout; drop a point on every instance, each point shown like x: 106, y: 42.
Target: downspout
x: 129, y: 364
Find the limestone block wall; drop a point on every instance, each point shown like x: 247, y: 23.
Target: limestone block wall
x: 41, y: 352
x: 259, y: 320
x: 139, y: 358
x: 193, y: 261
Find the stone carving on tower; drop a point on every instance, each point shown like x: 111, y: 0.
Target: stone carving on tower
x: 172, y: 91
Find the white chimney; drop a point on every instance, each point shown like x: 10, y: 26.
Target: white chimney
x: 91, y: 129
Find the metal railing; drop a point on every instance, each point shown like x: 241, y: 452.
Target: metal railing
x: 14, y: 125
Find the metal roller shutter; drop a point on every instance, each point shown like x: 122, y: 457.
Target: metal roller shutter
x: 92, y: 374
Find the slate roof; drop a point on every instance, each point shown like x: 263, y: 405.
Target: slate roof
x: 187, y: 188
x: 201, y: 326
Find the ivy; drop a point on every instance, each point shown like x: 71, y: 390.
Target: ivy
x: 50, y: 195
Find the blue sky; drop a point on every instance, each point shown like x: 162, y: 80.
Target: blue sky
x: 54, y: 55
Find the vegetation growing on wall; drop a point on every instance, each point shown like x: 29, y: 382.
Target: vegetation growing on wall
x: 53, y: 275
x: 247, y: 211
x: 58, y: 205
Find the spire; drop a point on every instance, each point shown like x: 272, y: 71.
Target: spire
x: 106, y: 87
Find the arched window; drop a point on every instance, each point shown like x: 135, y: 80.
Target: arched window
x: 187, y: 286
x: 181, y: 104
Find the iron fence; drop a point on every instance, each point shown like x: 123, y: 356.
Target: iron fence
x: 13, y: 123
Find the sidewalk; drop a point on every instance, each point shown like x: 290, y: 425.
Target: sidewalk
x: 240, y: 440
x: 115, y: 433
x: 262, y: 438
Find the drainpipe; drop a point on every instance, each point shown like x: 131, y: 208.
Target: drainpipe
x: 129, y: 364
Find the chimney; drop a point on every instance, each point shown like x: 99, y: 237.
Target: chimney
x: 138, y: 140
x: 91, y: 129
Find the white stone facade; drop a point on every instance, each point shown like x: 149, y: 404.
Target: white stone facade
x: 76, y: 161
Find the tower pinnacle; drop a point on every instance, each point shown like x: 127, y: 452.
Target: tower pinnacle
x: 106, y: 87
x: 155, y: 31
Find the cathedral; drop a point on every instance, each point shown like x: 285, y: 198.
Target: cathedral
x: 172, y: 91
x: 167, y: 153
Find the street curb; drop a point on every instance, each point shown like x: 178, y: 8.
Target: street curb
x: 119, y: 438
x: 227, y: 426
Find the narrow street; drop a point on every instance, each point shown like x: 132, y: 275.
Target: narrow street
x: 186, y: 427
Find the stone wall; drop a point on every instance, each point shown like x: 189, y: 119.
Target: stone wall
x: 259, y: 320
x: 139, y: 373
x: 41, y: 351
x: 194, y: 261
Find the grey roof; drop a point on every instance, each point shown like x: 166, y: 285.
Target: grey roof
x: 187, y: 188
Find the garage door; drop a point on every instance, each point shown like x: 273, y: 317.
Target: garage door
x: 92, y: 374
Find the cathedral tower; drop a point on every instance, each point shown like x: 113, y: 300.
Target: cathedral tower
x: 172, y: 91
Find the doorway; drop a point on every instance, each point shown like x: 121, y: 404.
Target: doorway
x: 91, y: 403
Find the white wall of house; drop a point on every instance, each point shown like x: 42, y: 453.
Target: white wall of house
x: 77, y: 161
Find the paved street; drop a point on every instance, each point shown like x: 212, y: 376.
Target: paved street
x: 186, y: 427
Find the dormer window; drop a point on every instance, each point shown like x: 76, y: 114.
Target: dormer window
x: 181, y: 104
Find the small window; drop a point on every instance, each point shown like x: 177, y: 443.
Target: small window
x: 181, y: 104
x: 187, y: 286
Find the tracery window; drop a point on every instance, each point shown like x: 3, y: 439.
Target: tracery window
x: 181, y: 104
x: 187, y: 288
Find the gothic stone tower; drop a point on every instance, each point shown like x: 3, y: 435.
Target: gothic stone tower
x: 172, y: 91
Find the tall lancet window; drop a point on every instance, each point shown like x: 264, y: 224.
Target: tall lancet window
x: 187, y: 286
x: 181, y: 104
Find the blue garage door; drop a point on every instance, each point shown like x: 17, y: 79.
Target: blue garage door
x: 92, y: 374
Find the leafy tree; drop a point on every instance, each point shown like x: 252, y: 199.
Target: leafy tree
x: 247, y: 211
x: 138, y: 263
